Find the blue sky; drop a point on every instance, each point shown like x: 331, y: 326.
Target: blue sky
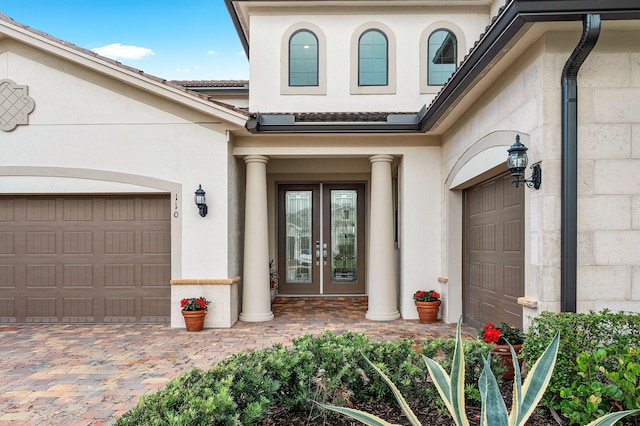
x: 175, y: 40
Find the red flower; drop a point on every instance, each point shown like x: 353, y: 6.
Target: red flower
x: 420, y: 293
x: 194, y: 303
x: 491, y: 335
x: 435, y: 294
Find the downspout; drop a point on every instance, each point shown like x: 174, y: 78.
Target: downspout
x: 568, y: 284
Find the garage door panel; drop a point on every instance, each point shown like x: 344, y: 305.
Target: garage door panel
x: 41, y: 209
x: 77, y: 242
x: 512, y: 279
x: 119, y: 210
x: 489, y: 277
x: 77, y: 276
x: 78, y: 309
x: 6, y: 210
x: 119, y: 275
x: 6, y: 243
x: 85, y: 259
x: 156, y: 242
x: 154, y: 275
x: 6, y: 276
x: 41, y: 242
x: 41, y: 309
x: 77, y: 210
x: 156, y: 210
x: 154, y: 307
x: 39, y: 275
x: 499, y: 259
x: 119, y: 242
x: 512, y: 235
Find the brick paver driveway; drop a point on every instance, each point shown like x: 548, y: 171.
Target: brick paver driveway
x: 91, y: 374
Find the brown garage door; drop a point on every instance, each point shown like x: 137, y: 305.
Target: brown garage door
x: 85, y: 259
x: 493, y: 252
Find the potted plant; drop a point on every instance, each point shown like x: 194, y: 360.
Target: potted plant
x: 273, y: 279
x: 499, y: 335
x: 427, y: 304
x: 194, y: 310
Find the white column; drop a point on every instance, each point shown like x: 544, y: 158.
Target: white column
x: 256, y: 301
x: 383, y: 305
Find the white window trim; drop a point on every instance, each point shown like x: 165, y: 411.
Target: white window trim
x: 390, y: 88
x: 424, y: 53
x: 321, y: 88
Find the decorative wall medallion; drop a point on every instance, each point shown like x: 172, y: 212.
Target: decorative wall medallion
x: 15, y: 105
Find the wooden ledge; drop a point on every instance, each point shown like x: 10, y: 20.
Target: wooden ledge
x: 210, y: 281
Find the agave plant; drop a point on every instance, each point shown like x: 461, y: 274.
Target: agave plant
x: 526, y: 396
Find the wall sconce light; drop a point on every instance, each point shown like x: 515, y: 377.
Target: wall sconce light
x: 200, y: 201
x: 517, y: 161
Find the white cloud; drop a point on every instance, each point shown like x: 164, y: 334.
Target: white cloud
x: 212, y: 52
x: 240, y: 53
x: 118, y: 51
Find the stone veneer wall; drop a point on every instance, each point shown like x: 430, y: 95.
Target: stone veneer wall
x: 609, y: 174
x: 527, y: 99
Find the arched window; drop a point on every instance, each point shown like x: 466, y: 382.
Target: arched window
x: 373, y: 59
x: 443, y: 57
x: 303, y: 59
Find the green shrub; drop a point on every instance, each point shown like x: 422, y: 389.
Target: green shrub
x: 598, y: 390
x: 494, y: 411
x: 244, y: 388
x: 580, y: 333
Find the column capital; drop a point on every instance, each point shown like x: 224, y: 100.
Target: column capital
x: 378, y: 158
x: 256, y: 159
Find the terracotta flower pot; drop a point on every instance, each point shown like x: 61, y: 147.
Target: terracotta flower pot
x: 504, y: 353
x: 194, y: 320
x: 428, y: 311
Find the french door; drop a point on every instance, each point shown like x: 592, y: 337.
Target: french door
x: 321, y: 238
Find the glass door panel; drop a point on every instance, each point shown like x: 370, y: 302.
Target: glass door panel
x: 298, y: 231
x: 344, y: 235
x: 343, y: 226
x: 298, y: 236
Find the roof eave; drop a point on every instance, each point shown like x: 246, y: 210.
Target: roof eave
x: 238, y: 26
x: 286, y: 123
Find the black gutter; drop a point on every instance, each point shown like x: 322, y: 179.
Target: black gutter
x: 569, y: 243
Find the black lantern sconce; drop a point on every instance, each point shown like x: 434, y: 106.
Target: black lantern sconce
x: 517, y: 161
x: 200, y: 201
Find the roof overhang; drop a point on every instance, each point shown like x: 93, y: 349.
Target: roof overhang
x: 507, y: 26
x: 287, y: 123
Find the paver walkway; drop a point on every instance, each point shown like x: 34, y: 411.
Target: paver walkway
x: 76, y: 374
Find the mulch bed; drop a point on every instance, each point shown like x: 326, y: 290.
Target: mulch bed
x: 392, y: 414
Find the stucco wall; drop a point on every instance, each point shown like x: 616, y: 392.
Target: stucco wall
x: 90, y: 134
x: 406, y: 25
